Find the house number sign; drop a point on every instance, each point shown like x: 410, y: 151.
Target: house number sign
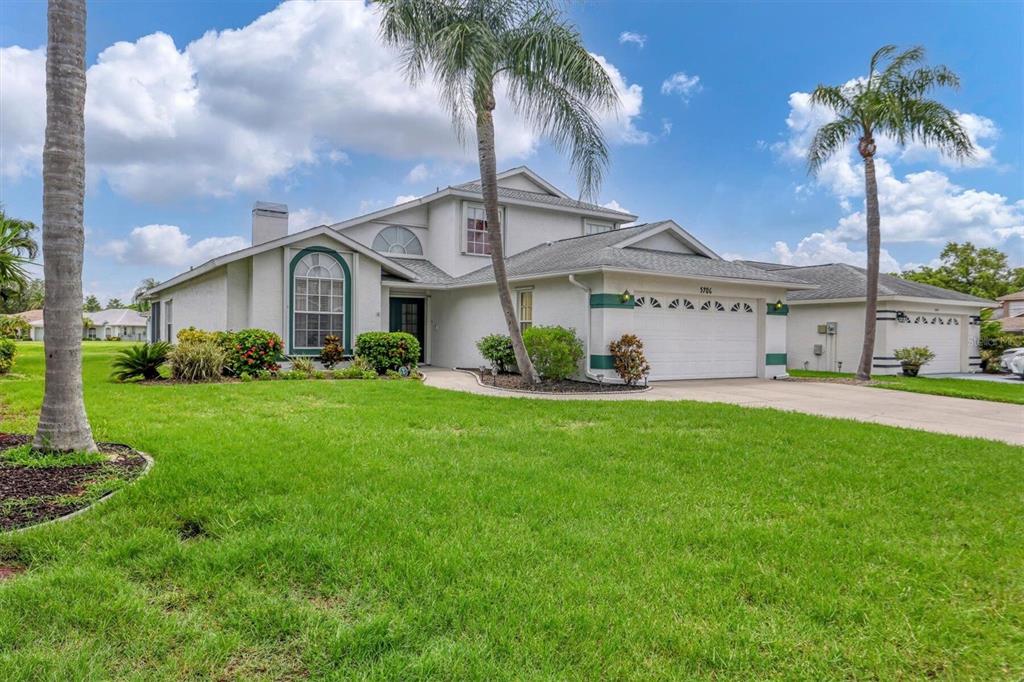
x: 705, y: 290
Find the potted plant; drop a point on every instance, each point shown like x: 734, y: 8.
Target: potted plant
x: 912, y: 358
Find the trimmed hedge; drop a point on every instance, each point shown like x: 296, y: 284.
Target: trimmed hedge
x: 497, y: 349
x: 556, y: 351
x: 386, y: 351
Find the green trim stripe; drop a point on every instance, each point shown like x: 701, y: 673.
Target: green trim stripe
x: 775, y: 359
x: 784, y: 310
x: 602, y: 362
x: 291, y: 299
x: 611, y: 301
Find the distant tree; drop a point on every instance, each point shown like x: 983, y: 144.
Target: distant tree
x: 63, y: 425
x: 891, y: 101
x: 138, y: 302
x: 29, y: 297
x: 91, y: 304
x: 529, y: 49
x: 114, y: 303
x: 965, y: 268
x: 17, y: 250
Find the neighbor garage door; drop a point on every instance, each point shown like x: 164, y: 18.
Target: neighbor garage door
x: 687, y: 337
x: 941, y: 333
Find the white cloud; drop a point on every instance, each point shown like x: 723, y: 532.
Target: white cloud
x: 419, y: 173
x: 620, y: 126
x: 925, y: 206
x: 637, y: 39
x: 309, y: 217
x: 616, y: 206
x: 304, y: 84
x: 820, y: 248
x: 681, y: 84
x: 402, y: 198
x: 167, y: 245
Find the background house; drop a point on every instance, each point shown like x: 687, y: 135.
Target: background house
x: 1010, y: 312
x: 115, y: 323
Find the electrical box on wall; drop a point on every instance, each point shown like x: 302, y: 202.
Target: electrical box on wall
x: 832, y: 327
x: 822, y: 329
x: 818, y: 350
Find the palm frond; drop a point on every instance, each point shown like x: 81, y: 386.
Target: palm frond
x: 828, y: 140
x: 832, y: 97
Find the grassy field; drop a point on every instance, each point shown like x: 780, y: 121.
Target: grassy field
x: 997, y: 391
x: 388, y: 530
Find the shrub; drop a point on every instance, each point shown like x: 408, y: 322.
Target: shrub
x: 388, y: 350
x: 630, y: 362
x: 14, y: 327
x: 7, y: 351
x: 497, y: 349
x: 914, y: 355
x: 251, y: 350
x: 197, y: 361
x: 193, y: 335
x: 332, y: 353
x: 302, y: 366
x: 141, y: 360
x: 556, y: 351
x: 353, y: 372
x: 318, y: 374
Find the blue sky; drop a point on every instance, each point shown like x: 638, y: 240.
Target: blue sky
x: 198, y: 109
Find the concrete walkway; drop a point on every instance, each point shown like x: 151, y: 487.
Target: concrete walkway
x: 956, y: 416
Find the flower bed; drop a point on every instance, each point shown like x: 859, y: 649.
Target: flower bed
x: 514, y: 382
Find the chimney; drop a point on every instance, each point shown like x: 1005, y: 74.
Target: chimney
x: 269, y: 222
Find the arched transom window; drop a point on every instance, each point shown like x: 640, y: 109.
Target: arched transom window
x: 397, y: 239
x: 319, y: 306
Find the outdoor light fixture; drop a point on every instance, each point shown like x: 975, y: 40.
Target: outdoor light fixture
x: 778, y: 304
x: 902, y: 316
x: 626, y: 296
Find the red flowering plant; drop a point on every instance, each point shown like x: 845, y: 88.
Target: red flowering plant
x: 251, y: 351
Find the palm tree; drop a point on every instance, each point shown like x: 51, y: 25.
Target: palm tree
x: 551, y: 80
x: 17, y: 249
x: 63, y: 424
x: 891, y: 101
x: 138, y: 302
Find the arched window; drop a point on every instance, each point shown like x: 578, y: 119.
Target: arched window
x: 397, y: 239
x: 318, y: 306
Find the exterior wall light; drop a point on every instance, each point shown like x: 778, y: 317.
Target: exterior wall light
x: 626, y: 296
x: 902, y: 316
x: 778, y: 304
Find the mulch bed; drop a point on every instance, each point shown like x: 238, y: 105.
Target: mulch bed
x: 31, y: 495
x: 515, y: 382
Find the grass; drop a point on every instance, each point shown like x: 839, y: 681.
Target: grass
x: 996, y: 391
x: 387, y: 530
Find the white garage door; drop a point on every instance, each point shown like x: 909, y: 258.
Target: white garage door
x: 941, y: 333
x: 686, y: 337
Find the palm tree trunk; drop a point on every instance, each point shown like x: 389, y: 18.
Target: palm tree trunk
x: 874, y: 243
x: 63, y: 424
x: 489, y: 185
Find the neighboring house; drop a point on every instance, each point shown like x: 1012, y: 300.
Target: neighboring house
x: 826, y: 324
x: 116, y: 323
x: 1010, y: 312
x: 423, y: 266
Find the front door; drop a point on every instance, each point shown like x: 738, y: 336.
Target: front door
x: 407, y: 315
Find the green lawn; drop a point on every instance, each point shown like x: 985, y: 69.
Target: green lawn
x: 390, y: 530
x: 997, y: 391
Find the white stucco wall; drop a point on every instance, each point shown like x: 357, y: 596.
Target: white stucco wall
x: 239, y: 276
x: 201, y: 302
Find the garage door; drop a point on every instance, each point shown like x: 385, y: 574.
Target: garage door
x: 687, y: 337
x: 941, y: 333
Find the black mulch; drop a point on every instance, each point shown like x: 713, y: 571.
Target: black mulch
x: 30, y: 495
x: 515, y: 382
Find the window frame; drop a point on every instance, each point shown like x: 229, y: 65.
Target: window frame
x: 467, y: 206
x: 524, y: 321
x: 399, y: 254
x: 605, y: 227
x: 346, y: 294
x: 168, y: 319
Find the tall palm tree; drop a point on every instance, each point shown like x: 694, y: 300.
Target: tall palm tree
x: 891, y: 101
x: 551, y: 80
x: 17, y: 249
x: 63, y: 424
x: 141, y: 304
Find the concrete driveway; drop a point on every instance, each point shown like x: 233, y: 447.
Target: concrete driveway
x: 955, y: 416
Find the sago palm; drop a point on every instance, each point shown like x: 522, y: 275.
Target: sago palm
x: 525, y: 46
x: 63, y: 424
x: 891, y: 101
x: 17, y: 250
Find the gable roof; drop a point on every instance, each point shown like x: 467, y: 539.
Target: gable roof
x: 1014, y: 296
x: 611, y: 251
x: 320, y: 230
x: 29, y: 315
x: 121, y: 317
x: 844, y: 281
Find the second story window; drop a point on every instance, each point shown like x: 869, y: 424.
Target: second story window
x: 596, y: 228
x: 476, y: 242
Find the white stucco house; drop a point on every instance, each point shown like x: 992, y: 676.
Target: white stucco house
x: 124, y: 324
x: 826, y: 323
x: 423, y: 266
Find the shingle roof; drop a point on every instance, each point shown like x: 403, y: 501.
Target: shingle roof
x: 1014, y: 296
x: 122, y: 317
x: 1012, y: 324
x: 540, y: 198
x: 840, y: 280
x: 600, y: 250
x: 425, y: 271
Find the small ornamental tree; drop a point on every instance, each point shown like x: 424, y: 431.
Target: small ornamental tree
x: 497, y: 350
x: 630, y: 362
x: 332, y: 353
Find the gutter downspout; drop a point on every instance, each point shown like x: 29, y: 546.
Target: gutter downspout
x: 586, y: 340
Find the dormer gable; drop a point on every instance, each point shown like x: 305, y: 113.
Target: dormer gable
x: 524, y: 179
x: 667, y: 236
